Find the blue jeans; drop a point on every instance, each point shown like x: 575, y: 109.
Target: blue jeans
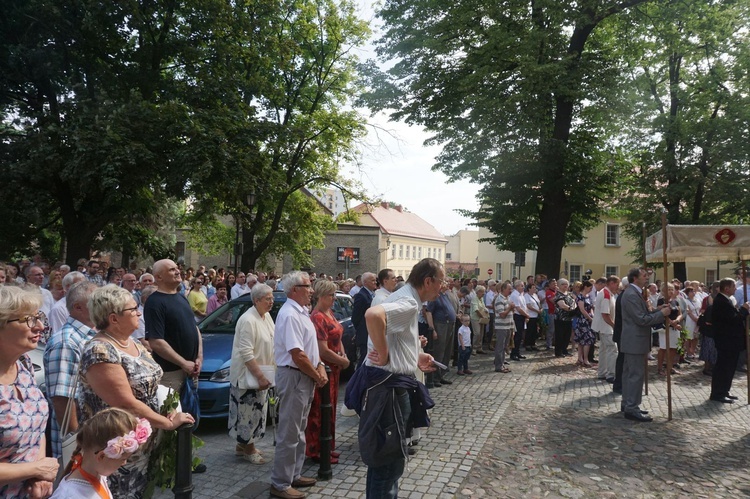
x: 382, y: 481
x: 463, y: 358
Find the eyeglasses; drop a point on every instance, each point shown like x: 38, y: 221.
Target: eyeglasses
x: 30, y: 320
x: 131, y: 309
x: 302, y: 285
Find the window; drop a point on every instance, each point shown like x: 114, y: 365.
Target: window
x: 400, y: 250
x: 179, y: 250
x: 610, y: 270
x: 448, y: 256
x: 408, y: 252
x: 429, y: 252
x: 576, y: 271
x: 419, y: 253
x: 440, y: 254
x: 613, y: 235
x: 498, y: 272
x: 710, y: 276
x: 393, y: 252
x: 578, y: 242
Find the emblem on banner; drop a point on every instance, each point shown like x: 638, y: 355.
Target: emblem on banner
x: 725, y: 236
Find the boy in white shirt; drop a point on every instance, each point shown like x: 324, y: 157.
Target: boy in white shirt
x: 464, y: 346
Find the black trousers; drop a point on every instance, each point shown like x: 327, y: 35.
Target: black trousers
x: 723, y: 372
x: 520, y: 322
x: 563, y: 329
x: 532, y: 331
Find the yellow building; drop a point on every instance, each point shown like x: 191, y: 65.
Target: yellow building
x: 406, y: 237
x: 604, y: 250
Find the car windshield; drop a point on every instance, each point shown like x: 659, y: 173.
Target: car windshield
x: 342, y: 308
x: 223, y: 319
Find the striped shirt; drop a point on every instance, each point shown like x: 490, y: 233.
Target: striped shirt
x: 502, y: 303
x: 62, y: 357
x: 401, y: 331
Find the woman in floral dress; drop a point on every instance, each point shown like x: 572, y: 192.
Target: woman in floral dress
x: 584, y: 335
x: 329, y: 332
x: 117, y: 371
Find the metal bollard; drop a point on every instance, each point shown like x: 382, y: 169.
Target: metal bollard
x: 183, y: 483
x: 324, y: 472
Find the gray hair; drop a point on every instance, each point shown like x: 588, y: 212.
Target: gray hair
x: 260, y: 290
x: 563, y: 282
x: 480, y: 288
x: 146, y: 292
x: 110, y: 299
x: 64, y: 268
x: 271, y: 283
x: 140, y: 279
x: 72, y: 278
x: 80, y: 292
x: 293, y: 278
x: 14, y: 301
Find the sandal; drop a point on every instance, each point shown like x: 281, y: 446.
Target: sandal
x: 254, y: 458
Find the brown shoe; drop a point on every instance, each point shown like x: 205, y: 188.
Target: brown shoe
x: 289, y: 493
x: 304, y: 481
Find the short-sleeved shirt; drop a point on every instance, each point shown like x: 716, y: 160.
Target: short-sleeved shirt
x: 169, y: 318
x: 22, y: 423
x: 605, y: 304
x: 294, y: 329
x: 502, y: 303
x: 142, y: 372
x: 62, y: 356
x: 401, y: 331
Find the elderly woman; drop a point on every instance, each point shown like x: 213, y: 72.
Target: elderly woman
x: 329, y: 332
x: 24, y: 471
x: 478, y: 315
x: 218, y: 299
x: 565, y: 306
x: 249, y: 372
x: 117, y: 371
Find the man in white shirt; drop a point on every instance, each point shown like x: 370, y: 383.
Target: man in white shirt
x: 604, y: 323
x: 35, y: 276
x: 357, y: 286
x: 520, y: 316
x: 59, y: 314
x: 240, y: 287
x: 300, y: 371
x: 489, y: 302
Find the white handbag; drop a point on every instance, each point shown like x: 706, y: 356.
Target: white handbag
x: 251, y: 383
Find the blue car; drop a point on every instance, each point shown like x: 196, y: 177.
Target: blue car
x: 218, y: 335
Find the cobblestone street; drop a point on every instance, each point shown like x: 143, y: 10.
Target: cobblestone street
x: 547, y: 429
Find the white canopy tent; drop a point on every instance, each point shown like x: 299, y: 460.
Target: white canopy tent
x: 686, y: 243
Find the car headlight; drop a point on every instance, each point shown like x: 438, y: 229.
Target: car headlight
x: 221, y: 376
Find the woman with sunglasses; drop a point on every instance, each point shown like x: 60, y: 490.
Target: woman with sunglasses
x: 24, y: 469
x: 197, y: 299
x: 117, y: 371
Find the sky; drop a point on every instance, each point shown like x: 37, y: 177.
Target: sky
x: 396, y: 166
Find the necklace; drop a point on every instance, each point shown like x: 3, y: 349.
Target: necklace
x: 119, y: 343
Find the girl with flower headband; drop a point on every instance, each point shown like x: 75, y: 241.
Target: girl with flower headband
x: 105, y: 442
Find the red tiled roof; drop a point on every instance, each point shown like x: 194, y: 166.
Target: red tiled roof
x: 398, y: 221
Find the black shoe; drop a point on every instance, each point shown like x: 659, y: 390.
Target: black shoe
x: 732, y: 397
x: 617, y: 390
x: 445, y: 382
x: 412, y: 451
x: 622, y: 409
x: 521, y: 357
x: 723, y: 400
x: 567, y: 354
x: 640, y: 417
x: 201, y: 468
x: 513, y: 357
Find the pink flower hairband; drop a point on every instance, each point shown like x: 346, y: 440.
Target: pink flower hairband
x: 129, y: 443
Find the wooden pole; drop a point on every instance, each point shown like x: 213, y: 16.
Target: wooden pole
x: 666, y: 319
x: 645, y: 266
x: 747, y: 327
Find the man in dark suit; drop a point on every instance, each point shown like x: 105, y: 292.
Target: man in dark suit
x: 636, y: 342
x: 729, y: 336
x: 616, y: 337
x: 362, y: 301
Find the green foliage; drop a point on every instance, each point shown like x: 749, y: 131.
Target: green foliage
x: 519, y: 95
x: 162, y: 465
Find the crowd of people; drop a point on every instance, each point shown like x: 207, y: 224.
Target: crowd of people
x: 112, y: 336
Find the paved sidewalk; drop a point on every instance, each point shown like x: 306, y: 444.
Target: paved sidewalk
x: 548, y: 429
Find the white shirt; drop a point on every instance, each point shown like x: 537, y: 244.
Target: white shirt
x: 401, y: 331
x: 739, y: 295
x: 140, y: 332
x: 79, y: 489
x: 533, y: 300
x: 49, y: 301
x: 605, y: 304
x: 381, y: 294
x: 489, y: 299
x: 239, y: 290
x: 464, y: 336
x: 519, y: 301
x: 355, y: 289
x: 58, y: 315
x: 294, y: 329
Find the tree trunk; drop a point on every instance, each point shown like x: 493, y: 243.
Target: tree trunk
x: 249, y: 256
x: 553, y: 220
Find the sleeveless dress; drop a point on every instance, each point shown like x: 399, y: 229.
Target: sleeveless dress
x: 584, y: 335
